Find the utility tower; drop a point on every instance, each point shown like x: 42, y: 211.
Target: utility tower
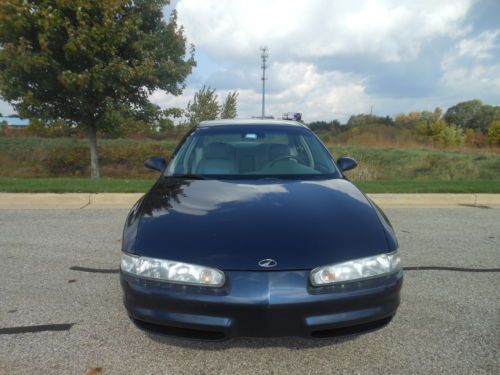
x: 264, y: 55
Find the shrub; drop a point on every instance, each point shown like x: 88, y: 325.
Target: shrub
x: 326, y: 138
x: 431, y: 129
x: 474, y: 138
x: 67, y: 160
x: 451, y: 136
x: 494, y: 133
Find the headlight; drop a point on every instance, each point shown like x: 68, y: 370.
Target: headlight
x: 175, y: 272
x: 357, y: 269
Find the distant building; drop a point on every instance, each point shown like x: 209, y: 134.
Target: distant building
x: 15, y: 122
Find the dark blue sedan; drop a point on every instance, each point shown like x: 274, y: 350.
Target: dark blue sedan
x: 253, y: 230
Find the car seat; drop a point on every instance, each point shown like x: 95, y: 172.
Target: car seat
x: 217, y: 159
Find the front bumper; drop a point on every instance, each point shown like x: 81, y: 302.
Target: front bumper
x: 264, y: 303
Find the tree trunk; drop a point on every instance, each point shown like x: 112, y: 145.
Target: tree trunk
x: 94, y: 157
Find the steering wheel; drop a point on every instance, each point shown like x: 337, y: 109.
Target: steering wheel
x: 286, y: 157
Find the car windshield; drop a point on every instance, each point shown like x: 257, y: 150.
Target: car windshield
x: 246, y: 151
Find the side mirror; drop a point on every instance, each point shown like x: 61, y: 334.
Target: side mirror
x: 346, y: 164
x: 156, y: 163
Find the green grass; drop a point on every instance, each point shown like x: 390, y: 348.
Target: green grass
x: 108, y: 185
x: 412, y: 164
x: 473, y: 186
x: 74, y: 185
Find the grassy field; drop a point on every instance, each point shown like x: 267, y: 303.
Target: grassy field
x: 410, y: 164
x: 61, y: 164
x: 74, y: 185
x: 115, y: 185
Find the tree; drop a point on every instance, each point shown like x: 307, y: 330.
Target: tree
x: 472, y: 114
x: 489, y: 114
x: 430, y: 128
x: 333, y: 127
x: 165, y: 122
x: 494, y: 133
x: 203, y: 107
x: 407, y: 120
x: 229, y: 107
x: 429, y: 117
x: 79, y: 60
x: 362, y: 119
x: 412, y: 119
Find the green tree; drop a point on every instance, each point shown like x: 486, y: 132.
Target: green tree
x: 203, y: 107
x: 407, y: 120
x: 430, y: 129
x: 463, y: 113
x: 472, y: 114
x: 333, y: 127
x: 229, y: 107
x: 437, y: 114
x: 494, y: 133
x: 166, y: 122
x: 362, y: 119
x: 79, y: 60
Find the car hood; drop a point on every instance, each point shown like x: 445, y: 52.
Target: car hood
x: 232, y: 225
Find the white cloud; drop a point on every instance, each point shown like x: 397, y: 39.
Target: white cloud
x: 301, y: 88
x: 165, y: 100
x: 392, y: 30
x: 326, y: 56
x: 317, y: 94
x: 471, y: 67
x: 481, y: 46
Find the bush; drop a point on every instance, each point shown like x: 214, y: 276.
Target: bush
x: 431, y: 129
x: 474, y: 138
x: 67, y: 161
x: 494, y: 133
x: 451, y: 136
x: 326, y: 138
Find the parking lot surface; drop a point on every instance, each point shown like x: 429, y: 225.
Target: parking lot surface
x: 448, y: 322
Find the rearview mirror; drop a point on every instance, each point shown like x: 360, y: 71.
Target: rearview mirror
x: 346, y: 163
x: 156, y: 163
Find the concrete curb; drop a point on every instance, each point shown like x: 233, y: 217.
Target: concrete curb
x: 436, y: 200
x: 43, y: 200
x: 67, y: 200
x: 408, y: 200
x: 126, y: 200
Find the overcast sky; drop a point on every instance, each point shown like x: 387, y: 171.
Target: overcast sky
x: 329, y: 59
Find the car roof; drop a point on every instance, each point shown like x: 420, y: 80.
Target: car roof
x: 252, y: 121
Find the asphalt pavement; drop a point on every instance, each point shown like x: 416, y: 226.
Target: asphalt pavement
x: 448, y: 322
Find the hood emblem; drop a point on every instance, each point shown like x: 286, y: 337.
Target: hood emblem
x: 268, y: 263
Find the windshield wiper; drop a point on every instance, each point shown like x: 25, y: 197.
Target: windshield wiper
x: 190, y: 176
